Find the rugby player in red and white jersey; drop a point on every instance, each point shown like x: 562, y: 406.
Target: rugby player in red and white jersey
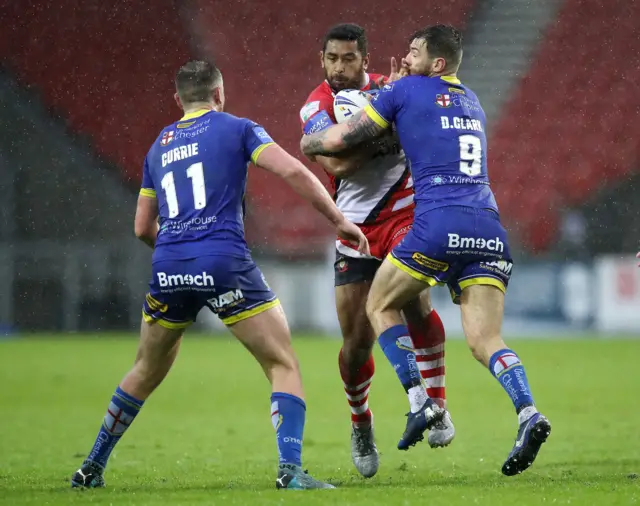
x: 373, y: 188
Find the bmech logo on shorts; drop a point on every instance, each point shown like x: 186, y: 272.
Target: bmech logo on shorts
x: 429, y: 263
x: 179, y: 280
x: 455, y: 241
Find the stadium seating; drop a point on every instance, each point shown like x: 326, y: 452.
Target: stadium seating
x: 569, y: 129
x: 105, y: 67
x: 271, y: 63
x: 108, y: 68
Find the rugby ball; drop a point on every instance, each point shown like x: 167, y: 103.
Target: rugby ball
x: 347, y: 103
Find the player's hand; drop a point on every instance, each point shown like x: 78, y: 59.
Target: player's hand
x: 396, y: 73
x: 352, y: 233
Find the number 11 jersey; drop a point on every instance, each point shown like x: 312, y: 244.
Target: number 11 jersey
x: 197, y: 170
x: 441, y: 127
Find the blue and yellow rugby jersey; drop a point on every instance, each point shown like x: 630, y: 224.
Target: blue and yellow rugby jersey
x: 441, y: 127
x: 197, y: 169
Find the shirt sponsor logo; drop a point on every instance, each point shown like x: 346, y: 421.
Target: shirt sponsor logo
x: 193, y: 225
x: 309, y: 110
x: 262, y: 134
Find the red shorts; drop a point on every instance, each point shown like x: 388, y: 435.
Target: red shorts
x: 383, y: 237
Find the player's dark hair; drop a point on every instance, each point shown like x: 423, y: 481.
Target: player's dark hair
x: 196, y: 80
x: 349, y: 32
x: 443, y: 41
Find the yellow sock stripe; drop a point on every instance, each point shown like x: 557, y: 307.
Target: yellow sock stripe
x: 128, y: 402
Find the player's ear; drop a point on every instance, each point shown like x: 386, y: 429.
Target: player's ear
x: 177, y: 99
x: 322, y: 59
x: 365, y: 61
x: 439, y: 65
x: 218, y: 98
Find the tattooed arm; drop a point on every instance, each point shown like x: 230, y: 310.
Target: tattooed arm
x: 344, y: 136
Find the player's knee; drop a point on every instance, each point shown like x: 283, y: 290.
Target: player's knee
x: 282, y: 357
x: 476, y: 349
x: 480, y: 342
x: 150, y: 374
x: 374, y: 306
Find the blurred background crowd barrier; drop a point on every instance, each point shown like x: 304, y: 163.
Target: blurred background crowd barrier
x: 86, y: 86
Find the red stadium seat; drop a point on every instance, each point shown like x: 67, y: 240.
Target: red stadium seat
x: 279, y: 68
x: 574, y: 113
x: 108, y: 69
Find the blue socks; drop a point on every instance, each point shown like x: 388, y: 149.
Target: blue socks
x: 123, y: 408
x: 398, y: 348
x: 287, y: 415
x: 505, y: 365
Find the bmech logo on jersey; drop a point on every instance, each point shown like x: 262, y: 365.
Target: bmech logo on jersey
x: 167, y: 137
x: 456, y: 241
x: 226, y: 300
x: 181, y: 280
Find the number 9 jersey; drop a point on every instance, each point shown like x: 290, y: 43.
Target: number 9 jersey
x: 197, y: 169
x: 457, y: 238
x: 441, y: 127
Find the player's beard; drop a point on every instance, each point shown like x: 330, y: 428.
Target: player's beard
x: 424, y: 70
x: 345, y: 84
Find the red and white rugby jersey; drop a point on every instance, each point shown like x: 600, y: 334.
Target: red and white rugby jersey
x: 376, y: 191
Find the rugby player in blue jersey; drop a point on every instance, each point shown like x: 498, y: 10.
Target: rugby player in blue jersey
x: 191, y: 210
x: 457, y: 238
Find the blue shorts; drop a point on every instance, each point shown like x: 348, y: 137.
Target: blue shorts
x: 457, y: 246
x: 233, y: 288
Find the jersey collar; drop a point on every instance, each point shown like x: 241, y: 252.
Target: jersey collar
x: 451, y: 79
x: 196, y: 114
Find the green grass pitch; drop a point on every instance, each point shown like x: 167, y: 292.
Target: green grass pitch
x: 205, y: 437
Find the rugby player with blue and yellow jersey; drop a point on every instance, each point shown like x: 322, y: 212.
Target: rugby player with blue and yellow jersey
x: 190, y: 210
x: 457, y: 238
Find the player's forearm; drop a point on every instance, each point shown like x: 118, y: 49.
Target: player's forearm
x: 327, y: 142
x: 338, y: 138
x: 148, y: 240
x: 342, y: 167
x: 148, y: 233
x: 305, y: 184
